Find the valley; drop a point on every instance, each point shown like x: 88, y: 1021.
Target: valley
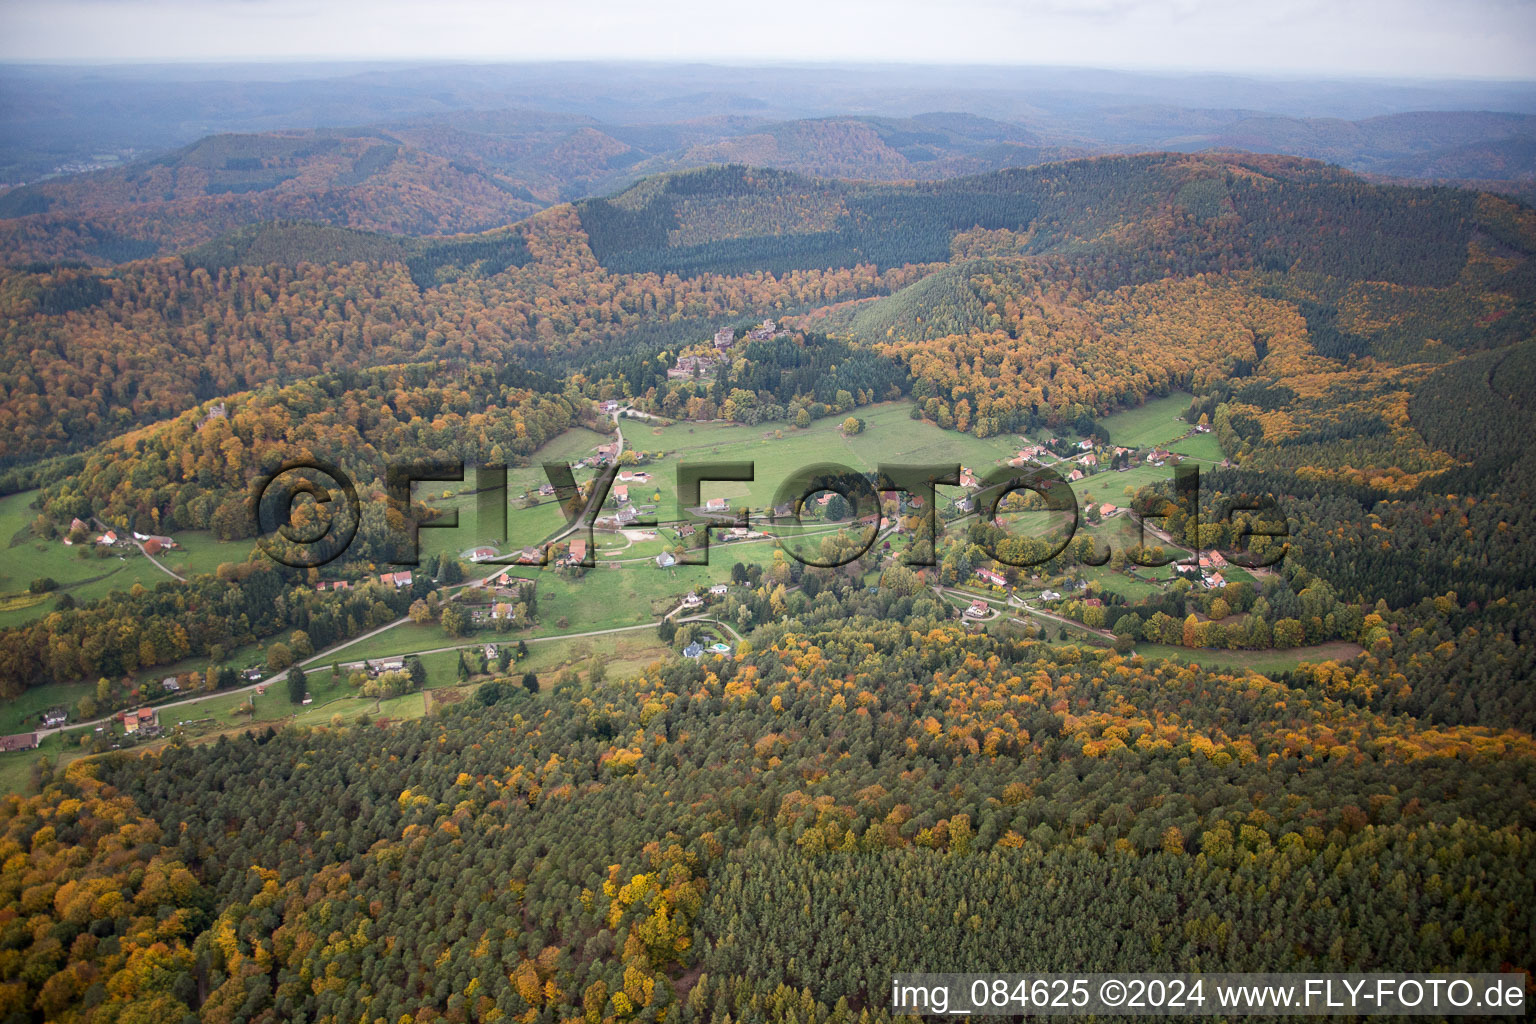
x: 1218, y: 657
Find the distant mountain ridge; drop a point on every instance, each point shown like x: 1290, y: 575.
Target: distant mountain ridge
x: 467, y: 171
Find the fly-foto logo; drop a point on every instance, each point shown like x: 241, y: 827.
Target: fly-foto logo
x: 307, y: 513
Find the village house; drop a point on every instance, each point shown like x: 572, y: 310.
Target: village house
x: 665, y: 560
x: 482, y: 554
x: 20, y: 741
x: 627, y: 476
x: 166, y: 543
x: 170, y: 685
x: 627, y: 516
x: 76, y: 527
x: 692, y: 600
x: 693, y: 650
x: 55, y: 715
x: 717, y: 505
x: 398, y: 580
x: 725, y: 337
x: 1075, y: 476
x: 1088, y: 460
x: 967, y: 478
x: 107, y: 539
x: 1049, y: 595
x: 718, y: 590
x: 578, y: 551
x: 977, y: 609
x: 620, y: 493
x: 141, y: 721
x: 988, y: 576
x: 1086, y: 444
x: 1108, y: 511
x: 610, y: 406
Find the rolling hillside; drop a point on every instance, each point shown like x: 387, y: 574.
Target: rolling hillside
x: 469, y: 170
x: 222, y: 183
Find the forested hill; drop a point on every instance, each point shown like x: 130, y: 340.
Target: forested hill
x: 181, y: 199
x: 864, y: 789
x: 1136, y: 217
x: 1381, y: 271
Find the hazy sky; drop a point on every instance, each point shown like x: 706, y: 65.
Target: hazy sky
x: 1408, y: 38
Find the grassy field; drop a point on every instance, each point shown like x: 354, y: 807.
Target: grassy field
x: 16, y: 767
x: 778, y: 451
x: 1259, y: 661
x: 23, y: 713
x: 1153, y: 423
x: 525, y: 526
x: 630, y: 594
x: 78, y: 570
x: 1199, y: 446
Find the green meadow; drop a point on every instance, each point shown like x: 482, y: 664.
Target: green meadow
x: 1199, y: 446
x: 1156, y: 422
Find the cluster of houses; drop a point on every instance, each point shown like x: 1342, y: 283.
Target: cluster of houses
x: 154, y: 543
x: 1206, y: 570
x: 54, y: 716
x: 143, y: 722
x: 376, y: 667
